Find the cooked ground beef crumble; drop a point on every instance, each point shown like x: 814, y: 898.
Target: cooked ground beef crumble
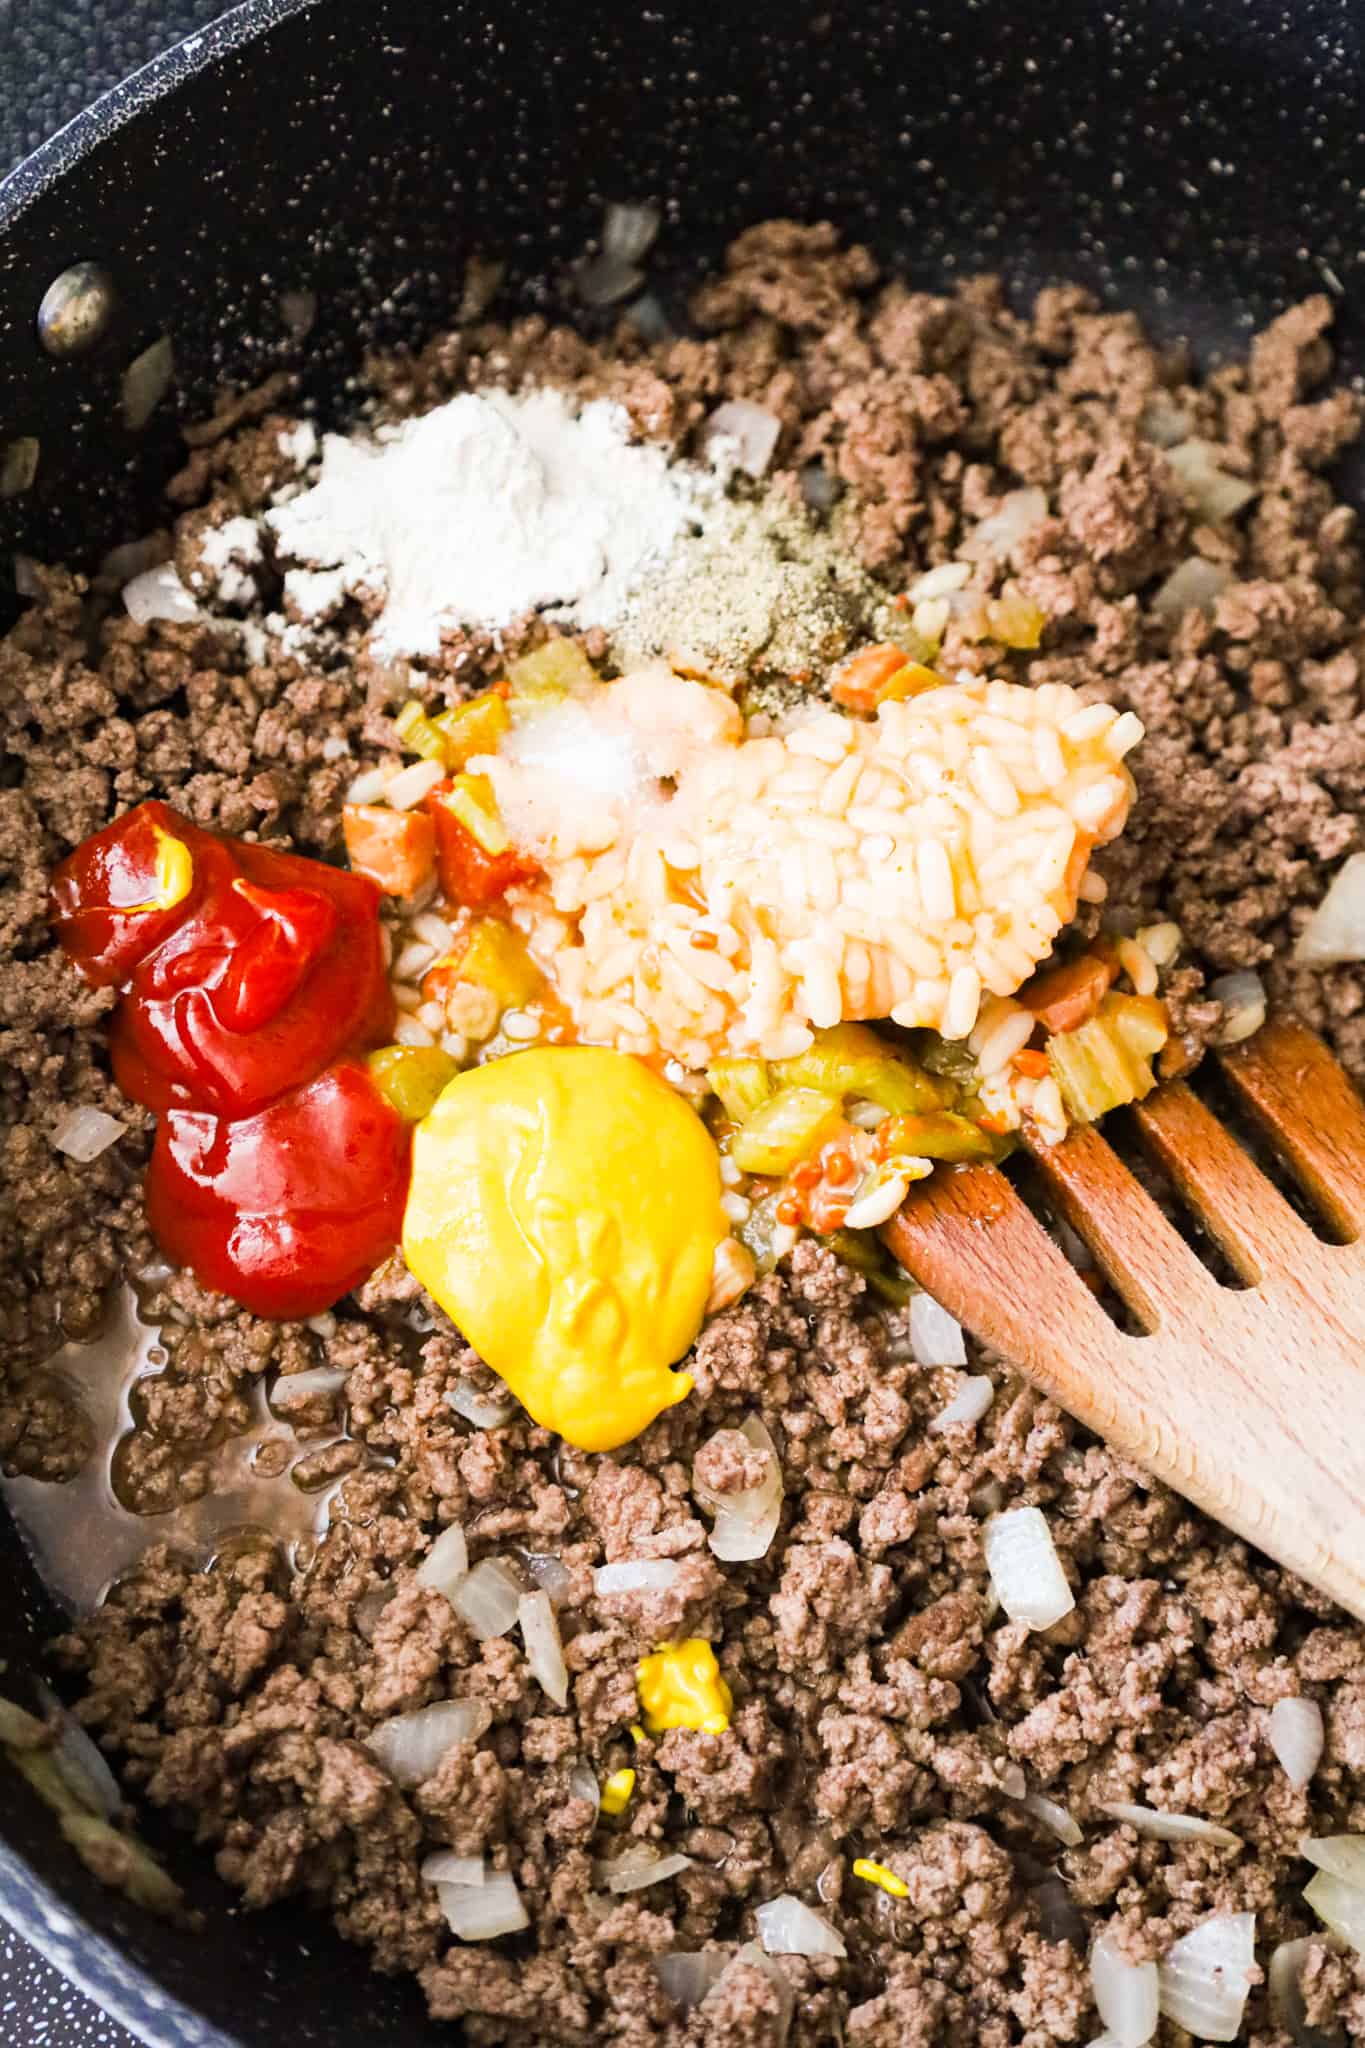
x: 882, y: 1708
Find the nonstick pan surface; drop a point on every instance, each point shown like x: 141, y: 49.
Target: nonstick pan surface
x: 1199, y: 160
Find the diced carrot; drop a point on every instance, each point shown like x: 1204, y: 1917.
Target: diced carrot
x: 397, y: 849
x: 1032, y: 1064
x: 1068, y: 996
x: 861, y: 681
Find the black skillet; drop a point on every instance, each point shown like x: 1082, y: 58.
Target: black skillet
x: 1200, y: 160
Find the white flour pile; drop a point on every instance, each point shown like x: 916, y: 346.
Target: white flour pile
x: 489, y: 507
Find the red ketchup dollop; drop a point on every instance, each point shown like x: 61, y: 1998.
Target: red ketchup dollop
x: 248, y: 978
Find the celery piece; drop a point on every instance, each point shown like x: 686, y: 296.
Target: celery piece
x: 938, y: 1134
x: 862, y: 1249
x: 418, y: 733
x: 1107, y: 1061
x: 786, y: 1129
x: 949, y: 1058
x: 911, y: 681
x: 848, y: 1059
x: 558, y: 669
x: 741, y: 1085
x: 410, y: 1077
x: 474, y: 728
x: 1015, y: 621
x: 494, y: 957
x: 470, y: 798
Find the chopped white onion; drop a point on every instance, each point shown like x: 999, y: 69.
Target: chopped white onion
x: 27, y: 580
x: 935, y: 1336
x: 1284, y: 1979
x: 1297, y: 1737
x: 544, y: 1650
x: 84, y: 1133
x: 301, y: 1386
x: 1336, y: 930
x: 787, y: 1927
x: 1244, y: 1004
x: 485, y: 1411
x: 1342, y: 1856
x: 1205, y: 1977
x: 551, y: 1573
x: 605, y: 280
x: 629, y: 232
x: 1171, y: 1827
x: 969, y: 1404
x: 1214, y: 494
x: 940, y: 582
x: 481, y: 1912
x: 1194, y: 586
x: 1163, y: 423
x: 1126, y: 1994
x: 583, y: 1783
x: 746, y: 1522
x: 688, y: 1976
x: 1025, y: 1569
x: 446, y: 1564
x: 410, y: 1746
x: 637, y: 1575
x: 1340, y: 1906
x: 406, y: 789
x: 81, y: 1765
x: 1017, y: 514
x: 159, y: 594
x: 445, y: 1867
x: 1054, y: 1817
x: 637, y: 1866
x: 649, y: 317
x: 487, y: 1600
x: 146, y: 381
x: 741, y: 433
x: 752, y: 1956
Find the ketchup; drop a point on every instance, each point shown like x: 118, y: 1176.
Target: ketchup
x: 248, y: 978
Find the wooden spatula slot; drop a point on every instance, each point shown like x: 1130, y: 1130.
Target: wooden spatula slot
x: 1250, y: 1402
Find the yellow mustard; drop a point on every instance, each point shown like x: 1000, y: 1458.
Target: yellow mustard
x: 681, y: 1687
x: 174, y: 876
x: 565, y: 1212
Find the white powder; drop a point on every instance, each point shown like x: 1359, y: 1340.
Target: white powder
x: 486, y: 508
x: 226, y: 553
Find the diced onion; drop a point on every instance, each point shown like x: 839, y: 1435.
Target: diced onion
x: 969, y: 1404
x: 405, y: 790
x: 638, y: 1866
x: 1336, y: 930
x: 1297, y: 1737
x: 1284, y: 1979
x: 1054, y: 1817
x: 446, y: 1564
x: 605, y: 280
x: 1340, y: 1907
x: 753, y: 1957
x: 583, y: 1784
x: 551, y: 1573
x: 935, y: 1336
x: 487, y: 1600
x: 1214, y: 494
x: 302, y: 1386
x: 27, y: 580
x: 1126, y: 1994
x: 746, y: 1522
x: 544, y: 1650
x: 1171, y: 1827
x: 637, y: 1575
x: 1205, y: 1977
x: 687, y: 1977
x: 481, y: 1912
x: 1026, y: 1572
x: 159, y: 594
x: 743, y: 433
x: 1163, y: 423
x: 1194, y: 586
x: 81, y: 1764
x: 1017, y: 514
x: 788, y: 1927
x: 445, y: 1867
x: 629, y: 232
x: 1342, y: 1856
x: 649, y: 317
x: 84, y: 1133
x: 1244, y: 1004
x: 485, y: 1411
x: 410, y: 1746
x: 146, y: 381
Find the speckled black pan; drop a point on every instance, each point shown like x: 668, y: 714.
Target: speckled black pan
x: 1201, y: 160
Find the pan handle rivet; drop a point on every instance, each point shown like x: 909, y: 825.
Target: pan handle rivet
x: 75, y: 310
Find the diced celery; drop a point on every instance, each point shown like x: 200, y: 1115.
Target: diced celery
x: 741, y: 1085
x: 410, y: 1077
x: 911, y: 681
x: 419, y: 733
x: 558, y: 669
x: 494, y: 957
x: 1014, y: 621
x: 946, y: 1057
x: 470, y: 798
x: 786, y: 1129
x: 936, y: 1134
x: 848, y: 1059
x: 474, y: 728
x: 1107, y: 1061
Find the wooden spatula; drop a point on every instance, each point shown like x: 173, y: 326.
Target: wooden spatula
x: 1251, y: 1403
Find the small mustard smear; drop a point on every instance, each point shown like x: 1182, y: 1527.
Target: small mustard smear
x: 878, y: 1874
x: 174, y: 876
x: 565, y: 1212
x: 681, y: 1687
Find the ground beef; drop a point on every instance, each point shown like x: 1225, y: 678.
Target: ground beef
x: 883, y: 1706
